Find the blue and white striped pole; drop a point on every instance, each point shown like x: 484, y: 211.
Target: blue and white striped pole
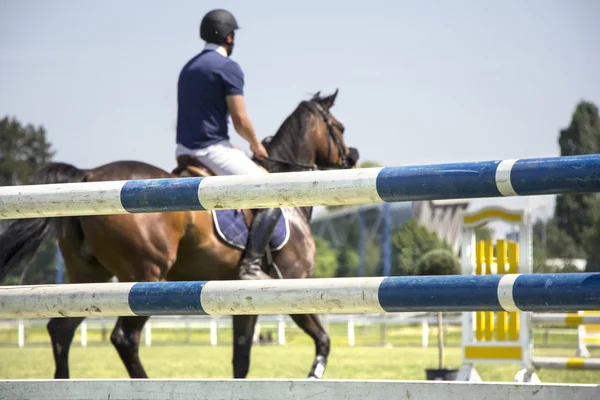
x: 535, y: 292
x: 526, y: 177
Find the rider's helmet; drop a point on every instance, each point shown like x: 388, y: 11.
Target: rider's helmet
x: 216, y: 25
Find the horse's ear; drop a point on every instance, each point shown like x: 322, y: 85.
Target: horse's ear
x: 329, y: 101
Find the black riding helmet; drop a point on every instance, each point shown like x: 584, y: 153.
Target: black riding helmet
x: 216, y: 25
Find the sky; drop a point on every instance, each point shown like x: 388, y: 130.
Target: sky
x: 419, y: 82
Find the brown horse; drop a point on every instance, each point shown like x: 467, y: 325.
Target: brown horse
x: 181, y: 246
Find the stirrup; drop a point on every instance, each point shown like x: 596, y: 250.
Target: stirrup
x: 253, y: 273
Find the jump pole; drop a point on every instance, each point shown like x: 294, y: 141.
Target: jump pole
x: 498, y: 178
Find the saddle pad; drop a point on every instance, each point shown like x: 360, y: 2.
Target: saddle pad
x: 232, y: 229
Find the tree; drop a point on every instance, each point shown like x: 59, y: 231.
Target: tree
x: 483, y: 232
x: 593, y: 258
x: 369, y: 164
x: 348, y: 261
x: 326, y: 259
x: 372, y: 257
x: 409, y: 243
x: 582, y: 136
x: 549, y: 241
x: 575, y: 214
x: 439, y: 261
x: 23, y: 150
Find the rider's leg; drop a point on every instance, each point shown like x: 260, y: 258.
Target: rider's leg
x: 223, y: 159
x: 261, y: 229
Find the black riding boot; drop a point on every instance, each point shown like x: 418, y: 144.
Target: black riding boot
x: 261, y: 229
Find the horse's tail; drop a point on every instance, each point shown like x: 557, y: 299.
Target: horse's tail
x: 23, y: 237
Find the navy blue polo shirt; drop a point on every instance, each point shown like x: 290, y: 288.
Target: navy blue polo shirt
x: 204, y: 82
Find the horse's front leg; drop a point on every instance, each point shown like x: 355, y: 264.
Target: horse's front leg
x: 311, y: 324
x: 243, y: 331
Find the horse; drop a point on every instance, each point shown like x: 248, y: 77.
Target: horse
x: 185, y: 245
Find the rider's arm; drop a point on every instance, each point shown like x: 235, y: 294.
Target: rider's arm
x: 233, y: 79
x: 239, y: 117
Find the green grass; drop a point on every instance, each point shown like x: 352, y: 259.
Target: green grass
x: 404, y: 363
x: 171, y: 357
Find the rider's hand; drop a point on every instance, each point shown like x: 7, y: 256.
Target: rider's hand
x: 259, y: 151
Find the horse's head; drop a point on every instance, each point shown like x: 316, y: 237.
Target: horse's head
x: 310, y: 138
x: 328, y: 137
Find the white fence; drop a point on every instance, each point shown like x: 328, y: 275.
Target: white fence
x: 270, y: 329
x: 287, y: 389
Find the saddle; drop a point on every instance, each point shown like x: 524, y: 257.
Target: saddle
x: 227, y: 222
x: 188, y: 166
x: 191, y: 166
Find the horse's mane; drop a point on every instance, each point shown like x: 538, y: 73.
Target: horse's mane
x: 287, y: 140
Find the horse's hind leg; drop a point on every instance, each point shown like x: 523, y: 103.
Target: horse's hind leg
x: 61, y: 331
x: 243, y: 330
x: 311, y: 324
x: 80, y: 268
x: 126, y: 339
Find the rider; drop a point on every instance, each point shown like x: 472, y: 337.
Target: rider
x: 211, y: 88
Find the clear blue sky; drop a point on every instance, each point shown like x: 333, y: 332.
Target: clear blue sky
x: 420, y: 82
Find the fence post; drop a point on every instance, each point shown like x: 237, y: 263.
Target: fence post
x: 351, y: 332
x: 148, y: 333
x: 213, y: 332
x: 425, y: 332
x: 21, y: 334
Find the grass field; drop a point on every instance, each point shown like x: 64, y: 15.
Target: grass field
x: 195, y: 360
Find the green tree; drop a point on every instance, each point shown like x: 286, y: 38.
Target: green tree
x: 549, y: 241
x: 593, y: 258
x: 575, y: 214
x: 409, y: 243
x: 540, y: 246
x: 326, y: 259
x: 483, y: 232
x: 348, y: 261
x: 582, y: 136
x: 438, y: 262
x: 559, y: 245
x: 369, y: 164
x: 372, y: 257
x: 23, y: 150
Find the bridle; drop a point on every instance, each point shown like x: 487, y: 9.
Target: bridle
x: 330, y: 125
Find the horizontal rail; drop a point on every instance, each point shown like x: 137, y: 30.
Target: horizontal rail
x: 578, y: 363
x: 511, y: 292
x: 524, y: 177
x: 287, y: 389
x: 570, y: 319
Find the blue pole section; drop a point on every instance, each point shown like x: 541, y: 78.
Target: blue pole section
x: 387, y: 244
x: 361, y: 243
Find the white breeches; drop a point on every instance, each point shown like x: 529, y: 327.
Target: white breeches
x: 223, y: 159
